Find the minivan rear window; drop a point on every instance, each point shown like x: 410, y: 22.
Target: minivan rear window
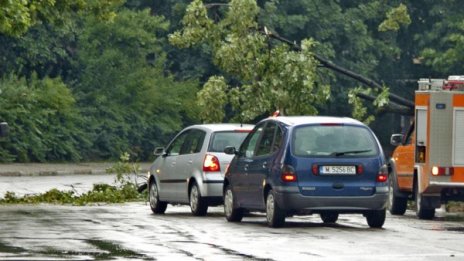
x: 333, y: 140
x: 223, y: 139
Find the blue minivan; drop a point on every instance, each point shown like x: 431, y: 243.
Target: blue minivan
x: 304, y: 165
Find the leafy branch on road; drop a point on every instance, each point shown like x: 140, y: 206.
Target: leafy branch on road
x: 125, y: 190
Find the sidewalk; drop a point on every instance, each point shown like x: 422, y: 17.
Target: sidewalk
x: 55, y: 169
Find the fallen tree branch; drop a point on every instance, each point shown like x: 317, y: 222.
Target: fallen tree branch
x: 389, y: 108
x: 326, y: 63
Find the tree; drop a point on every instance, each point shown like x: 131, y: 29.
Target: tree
x: 128, y: 101
x: 44, y: 120
x: 16, y: 17
x: 266, y: 76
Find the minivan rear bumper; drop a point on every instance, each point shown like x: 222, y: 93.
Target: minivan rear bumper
x: 288, y: 199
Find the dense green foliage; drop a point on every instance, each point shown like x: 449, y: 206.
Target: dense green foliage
x: 87, y: 80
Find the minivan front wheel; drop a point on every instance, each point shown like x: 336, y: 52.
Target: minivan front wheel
x: 232, y: 214
x: 376, y: 218
x: 157, y: 206
x: 274, y: 214
x: 198, y: 204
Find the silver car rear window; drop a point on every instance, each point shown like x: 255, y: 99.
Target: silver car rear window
x: 221, y: 140
x: 333, y: 140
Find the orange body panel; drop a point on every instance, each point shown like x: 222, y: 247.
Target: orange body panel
x: 458, y: 100
x: 422, y: 99
x: 404, y: 162
x: 458, y: 175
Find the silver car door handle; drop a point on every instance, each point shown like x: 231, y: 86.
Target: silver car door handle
x: 190, y: 161
x: 264, y: 165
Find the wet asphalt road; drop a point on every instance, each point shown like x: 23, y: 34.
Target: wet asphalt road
x: 131, y: 232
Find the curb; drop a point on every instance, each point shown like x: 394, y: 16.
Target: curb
x: 71, y: 169
x: 52, y: 173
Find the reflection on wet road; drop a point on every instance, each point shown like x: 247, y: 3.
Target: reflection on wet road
x: 131, y: 232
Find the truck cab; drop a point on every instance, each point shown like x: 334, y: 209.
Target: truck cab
x: 428, y: 163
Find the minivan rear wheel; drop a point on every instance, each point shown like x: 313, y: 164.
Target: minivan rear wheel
x: 157, y: 206
x: 328, y: 217
x: 376, y: 218
x: 232, y: 214
x: 198, y: 204
x: 274, y: 214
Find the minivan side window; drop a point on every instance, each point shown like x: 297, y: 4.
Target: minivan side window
x: 265, y: 145
x: 277, y: 139
x: 248, y: 147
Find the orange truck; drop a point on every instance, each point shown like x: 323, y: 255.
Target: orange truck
x: 428, y: 163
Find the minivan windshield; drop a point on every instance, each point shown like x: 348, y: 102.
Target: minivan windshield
x: 333, y: 140
x: 223, y: 139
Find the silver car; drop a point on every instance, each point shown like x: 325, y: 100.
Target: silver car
x: 190, y: 170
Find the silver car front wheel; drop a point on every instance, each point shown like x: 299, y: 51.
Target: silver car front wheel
x: 157, y: 206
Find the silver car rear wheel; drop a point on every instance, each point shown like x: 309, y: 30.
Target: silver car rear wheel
x: 198, y: 204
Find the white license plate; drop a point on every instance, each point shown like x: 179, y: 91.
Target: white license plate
x: 350, y: 170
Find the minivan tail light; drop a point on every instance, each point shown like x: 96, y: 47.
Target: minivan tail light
x: 288, y: 174
x: 211, y: 163
x: 315, y: 169
x: 383, y: 174
x: 359, y: 169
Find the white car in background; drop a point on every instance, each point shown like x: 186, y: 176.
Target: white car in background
x: 190, y: 170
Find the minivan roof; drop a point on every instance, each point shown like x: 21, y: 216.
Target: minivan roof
x: 297, y: 120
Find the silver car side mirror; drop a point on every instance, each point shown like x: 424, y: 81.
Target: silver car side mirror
x: 159, y: 151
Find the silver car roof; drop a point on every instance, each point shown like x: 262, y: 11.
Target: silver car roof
x: 222, y: 126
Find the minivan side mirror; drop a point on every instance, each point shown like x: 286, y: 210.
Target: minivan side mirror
x: 396, y: 139
x: 159, y: 151
x: 4, y: 129
x: 230, y: 150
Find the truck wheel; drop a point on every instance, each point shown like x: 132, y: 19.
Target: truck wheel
x: 422, y: 211
x: 396, y: 205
